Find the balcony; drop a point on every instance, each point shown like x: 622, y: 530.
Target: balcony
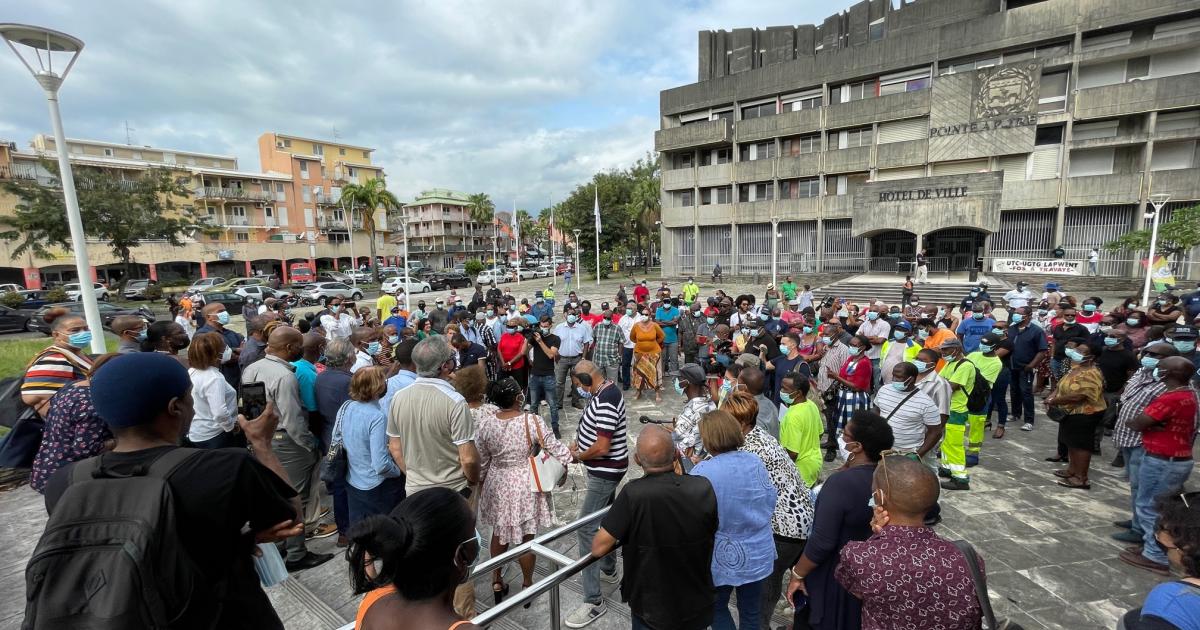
x: 695, y: 135
x: 218, y: 192
x: 328, y: 223
x: 1034, y: 193
x: 678, y: 179
x: 803, y: 165
x: 714, y: 175
x: 909, y: 153
x: 755, y: 211
x: 1182, y: 183
x: 837, y: 206
x: 235, y: 221
x: 1138, y: 96
x: 797, y: 209
x: 323, y: 199
x: 678, y: 217
x: 754, y: 170
x: 785, y: 124
x: 878, y: 109
x: 1099, y: 190
x: 848, y: 160
x: 20, y: 172
x: 713, y: 214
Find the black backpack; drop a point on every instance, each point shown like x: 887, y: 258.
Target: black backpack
x: 110, y: 556
x: 981, y: 391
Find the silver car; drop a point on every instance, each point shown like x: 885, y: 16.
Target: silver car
x: 321, y: 292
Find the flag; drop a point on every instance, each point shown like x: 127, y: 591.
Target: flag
x: 596, y: 210
x: 1161, y: 275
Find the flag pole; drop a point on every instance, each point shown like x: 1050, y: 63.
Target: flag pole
x: 553, y: 266
x: 597, y: 209
x: 516, y: 228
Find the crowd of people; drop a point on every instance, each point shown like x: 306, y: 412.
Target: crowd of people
x: 402, y: 432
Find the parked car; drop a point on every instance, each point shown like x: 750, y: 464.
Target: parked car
x: 14, y: 320
x: 232, y: 301
x: 544, y: 271
x: 415, y: 285
x: 321, y: 292
x: 448, y: 280
x: 136, y: 289
x: 10, y: 288
x: 108, y: 312
x: 358, y: 276
x: 562, y: 268
x: 300, y: 273
x: 493, y: 275
x: 331, y: 276
x: 206, y: 283
x: 33, y: 300
x: 460, y: 268
x: 74, y: 294
x: 527, y: 273
x: 233, y: 283
x: 260, y: 292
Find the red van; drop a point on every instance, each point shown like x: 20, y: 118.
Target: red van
x: 301, y: 273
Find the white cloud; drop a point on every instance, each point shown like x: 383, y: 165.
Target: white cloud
x: 519, y: 99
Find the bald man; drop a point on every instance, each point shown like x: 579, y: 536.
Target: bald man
x: 667, y: 522
x: 130, y: 331
x: 215, y: 320
x: 600, y: 445
x: 294, y: 442
x: 904, y: 490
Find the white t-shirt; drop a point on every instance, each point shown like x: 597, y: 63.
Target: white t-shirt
x: 908, y: 422
x: 937, y: 388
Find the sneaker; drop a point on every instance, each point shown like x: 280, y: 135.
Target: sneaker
x: 956, y: 484
x: 323, y: 513
x: 943, y: 472
x: 1127, y: 536
x: 615, y: 578
x: 1142, y: 562
x: 324, y: 530
x: 829, y: 455
x: 1123, y: 524
x: 1028, y: 426
x: 585, y: 614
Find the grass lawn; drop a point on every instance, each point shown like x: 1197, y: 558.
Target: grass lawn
x: 15, y: 354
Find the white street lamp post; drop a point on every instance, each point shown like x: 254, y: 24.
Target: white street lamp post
x: 39, y: 40
x: 577, y: 232
x: 775, y: 252
x: 1158, y: 201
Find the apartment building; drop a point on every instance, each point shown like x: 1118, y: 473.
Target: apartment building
x: 442, y: 234
x: 265, y: 221
x: 982, y: 131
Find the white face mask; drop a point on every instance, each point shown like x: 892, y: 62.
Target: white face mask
x: 226, y: 354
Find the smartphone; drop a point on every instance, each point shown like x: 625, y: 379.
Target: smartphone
x: 254, y: 399
x: 799, y: 600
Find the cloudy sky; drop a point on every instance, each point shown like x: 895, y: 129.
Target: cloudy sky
x: 523, y: 100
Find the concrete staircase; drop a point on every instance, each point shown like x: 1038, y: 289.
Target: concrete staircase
x: 866, y: 289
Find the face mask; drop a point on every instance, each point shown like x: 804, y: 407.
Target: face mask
x: 1185, y: 347
x: 983, y: 347
x: 898, y: 386
x: 921, y: 365
x: 977, y: 315
x: 1073, y: 355
x: 545, y: 330
x: 678, y: 388
x: 897, y: 335
x: 491, y: 313
x: 1091, y: 308
x: 1018, y: 318
x: 510, y: 329
x: 998, y: 331
x: 855, y: 351
x: 394, y: 339
x: 942, y: 326
x: 755, y: 332
x: 226, y: 354
x: 745, y: 332
x: 1111, y: 341
x: 872, y: 316
x: 1157, y: 374
x: 696, y: 313
x: 826, y: 340
x: 583, y: 393
x: 915, y: 303
x: 141, y: 336
x: 374, y: 347
x: 786, y: 398
x: 1069, y: 320
x: 80, y: 339
x: 1105, y: 328
x: 893, y: 315
x: 924, y: 334
x: 1133, y: 321
x: 1160, y: 302
x: 711, y: 320
x: 807, y: 330
x: 941, y: 313
x: 843, y: 313
x: 1149, y: 362
x: 223, y: 318
x: 571, y: 319
x: 629, y: 312
x: 479, y: 317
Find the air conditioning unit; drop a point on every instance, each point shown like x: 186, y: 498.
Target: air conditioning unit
x: 255, y: 181
x: 279, y: 144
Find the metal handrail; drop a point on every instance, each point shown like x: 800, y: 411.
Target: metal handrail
x: 568, y: 568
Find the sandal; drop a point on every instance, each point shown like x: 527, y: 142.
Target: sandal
x: 499, y: 591
x: 530, y: 602
x: 1057, y: 459
x: 999, y: 433
x: 1076, y: 483
x: 1064, y: 474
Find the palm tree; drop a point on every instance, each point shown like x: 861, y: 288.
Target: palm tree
x: 369, y: 197
x: 482, y: 210
x: 645, y: 208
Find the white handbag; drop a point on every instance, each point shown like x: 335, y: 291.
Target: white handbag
x: 545, y: 472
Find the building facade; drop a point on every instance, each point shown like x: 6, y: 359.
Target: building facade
x: 287, y: 213
x: 983, y: 131
x: 442, y: 234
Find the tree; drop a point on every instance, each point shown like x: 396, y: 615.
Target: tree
x: 482, y: 210
x: 1175, y: 237
x: 369, y: 196
x: 645, y: 204
x: 122, y: 213
x: 473, y: 268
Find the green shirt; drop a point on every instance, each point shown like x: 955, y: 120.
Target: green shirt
x: 989, y: 366
x: 789, y: 290
x: 959, y: 373
x: 800, y: 433
x: 690, y: 291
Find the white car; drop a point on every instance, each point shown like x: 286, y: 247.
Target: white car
x: 528, y: 273
x: 544, y: 271
x: 492, y: 275
x: 74, y: 294
x: 415, y: 285
x: 260, y: 292
x: 205, y: 283
x: 321, y: 292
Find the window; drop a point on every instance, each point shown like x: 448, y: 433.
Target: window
x: 854, y: 91
x: 1052, y: 95
x: 242, y: 236
x: 682, y: 199
x: 351, y: 172
x: 684, y: 160
x: 758, y: 191
x: 844, y: 184
x: 1089, y: 131
x: 808, y: 100
x: 1175, y: 29
x: 758, y: 110
x: 725, y: 114
x: 108, y: 152
x: 709, y: 157
x: 907, y: 82
x: 967, y: 65
x: 306, y: 192
x: 338, y: 237
x: 799, y: 188
x: 799, y: 145
x: 875, y: 30
x: 366, y: 155
x: 318, y: 149
x: 1051, y: 134
x: 851, y: 138
x: 1173, y: 155
x: 758, y: 151
x: 303, y: 169
x: 1178, y: 120
x: 341, y: 151
x: 287, y: 143
x: 693, y: 118
x: 238, y: 211
x: 279, y: 187
x: 717, y: 195
x: 1092, y: 162
x: 1111, y: 40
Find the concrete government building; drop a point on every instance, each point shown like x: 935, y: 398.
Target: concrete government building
x: 979, y: 130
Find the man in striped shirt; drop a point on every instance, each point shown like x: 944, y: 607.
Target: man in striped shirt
x: 600, y: 444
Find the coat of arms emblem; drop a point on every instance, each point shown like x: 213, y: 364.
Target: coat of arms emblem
x: 1008, y: 91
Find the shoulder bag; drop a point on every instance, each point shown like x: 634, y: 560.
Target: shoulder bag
x: 545, y: 472
x: 901, y: 403
x: 334, y: 465
x: 981, y: 593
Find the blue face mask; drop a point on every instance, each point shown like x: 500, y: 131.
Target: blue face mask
x: 899, y: 386
x: 583, y: 393
x: 893, y: 315
x: 1017, y: 318
x: 754, y: 332
x: 826, y: 340
x: 983, y: 347
x: 998, y: 331
x: 1132, y: 321
x: 808, y: 330
x: 897, y: 334
x: 223, y: 318
x: 923, y: 334
x: 786, y: 398
x: 1090, y: 308
x: 80, y: 339
x: 1157, y: 374
x: 977, y: 315
x: 855, y: 351
x: 394, y: 339
x: 374, y: 347
x: 141, y: 336
x: 571, y: 319
x: 678, y: 388
x: 711, y: 320
x: 1073, y: 355
x: 1149, y: 362
x: 511, y: 329
x: 1185, y: 347
x: 872, y: 316
x: 1111, y: 341
x: 921, y: 365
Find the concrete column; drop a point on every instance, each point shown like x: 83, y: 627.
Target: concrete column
x: 312, y: 265
x: 249, y: 269
x: 283, y: 271
x: 92, y: 272
x: 203, y: 269
x: 696, y: 250
x: 335, y: 261
x: 33, y: 278
x: 820, y: 245
x: 153, y: 272
x: 733, y: 249
x: 1139, y: 220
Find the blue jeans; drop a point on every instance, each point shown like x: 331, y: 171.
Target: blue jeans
x: 749, y: 598
x: 1156, y: 477
x: 1133, y: 463
x: 600, y: 493
x: 1022, y: 393
x: 875, y: 375
x: 378, y: 500
x: 626, y: 367
x: 999, y: 402
x: 542, y: 387
x: 670, y: 358
x: 336, y: 489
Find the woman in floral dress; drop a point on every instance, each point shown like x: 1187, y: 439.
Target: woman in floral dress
x: 73, y: 429
x: 506, y: 503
